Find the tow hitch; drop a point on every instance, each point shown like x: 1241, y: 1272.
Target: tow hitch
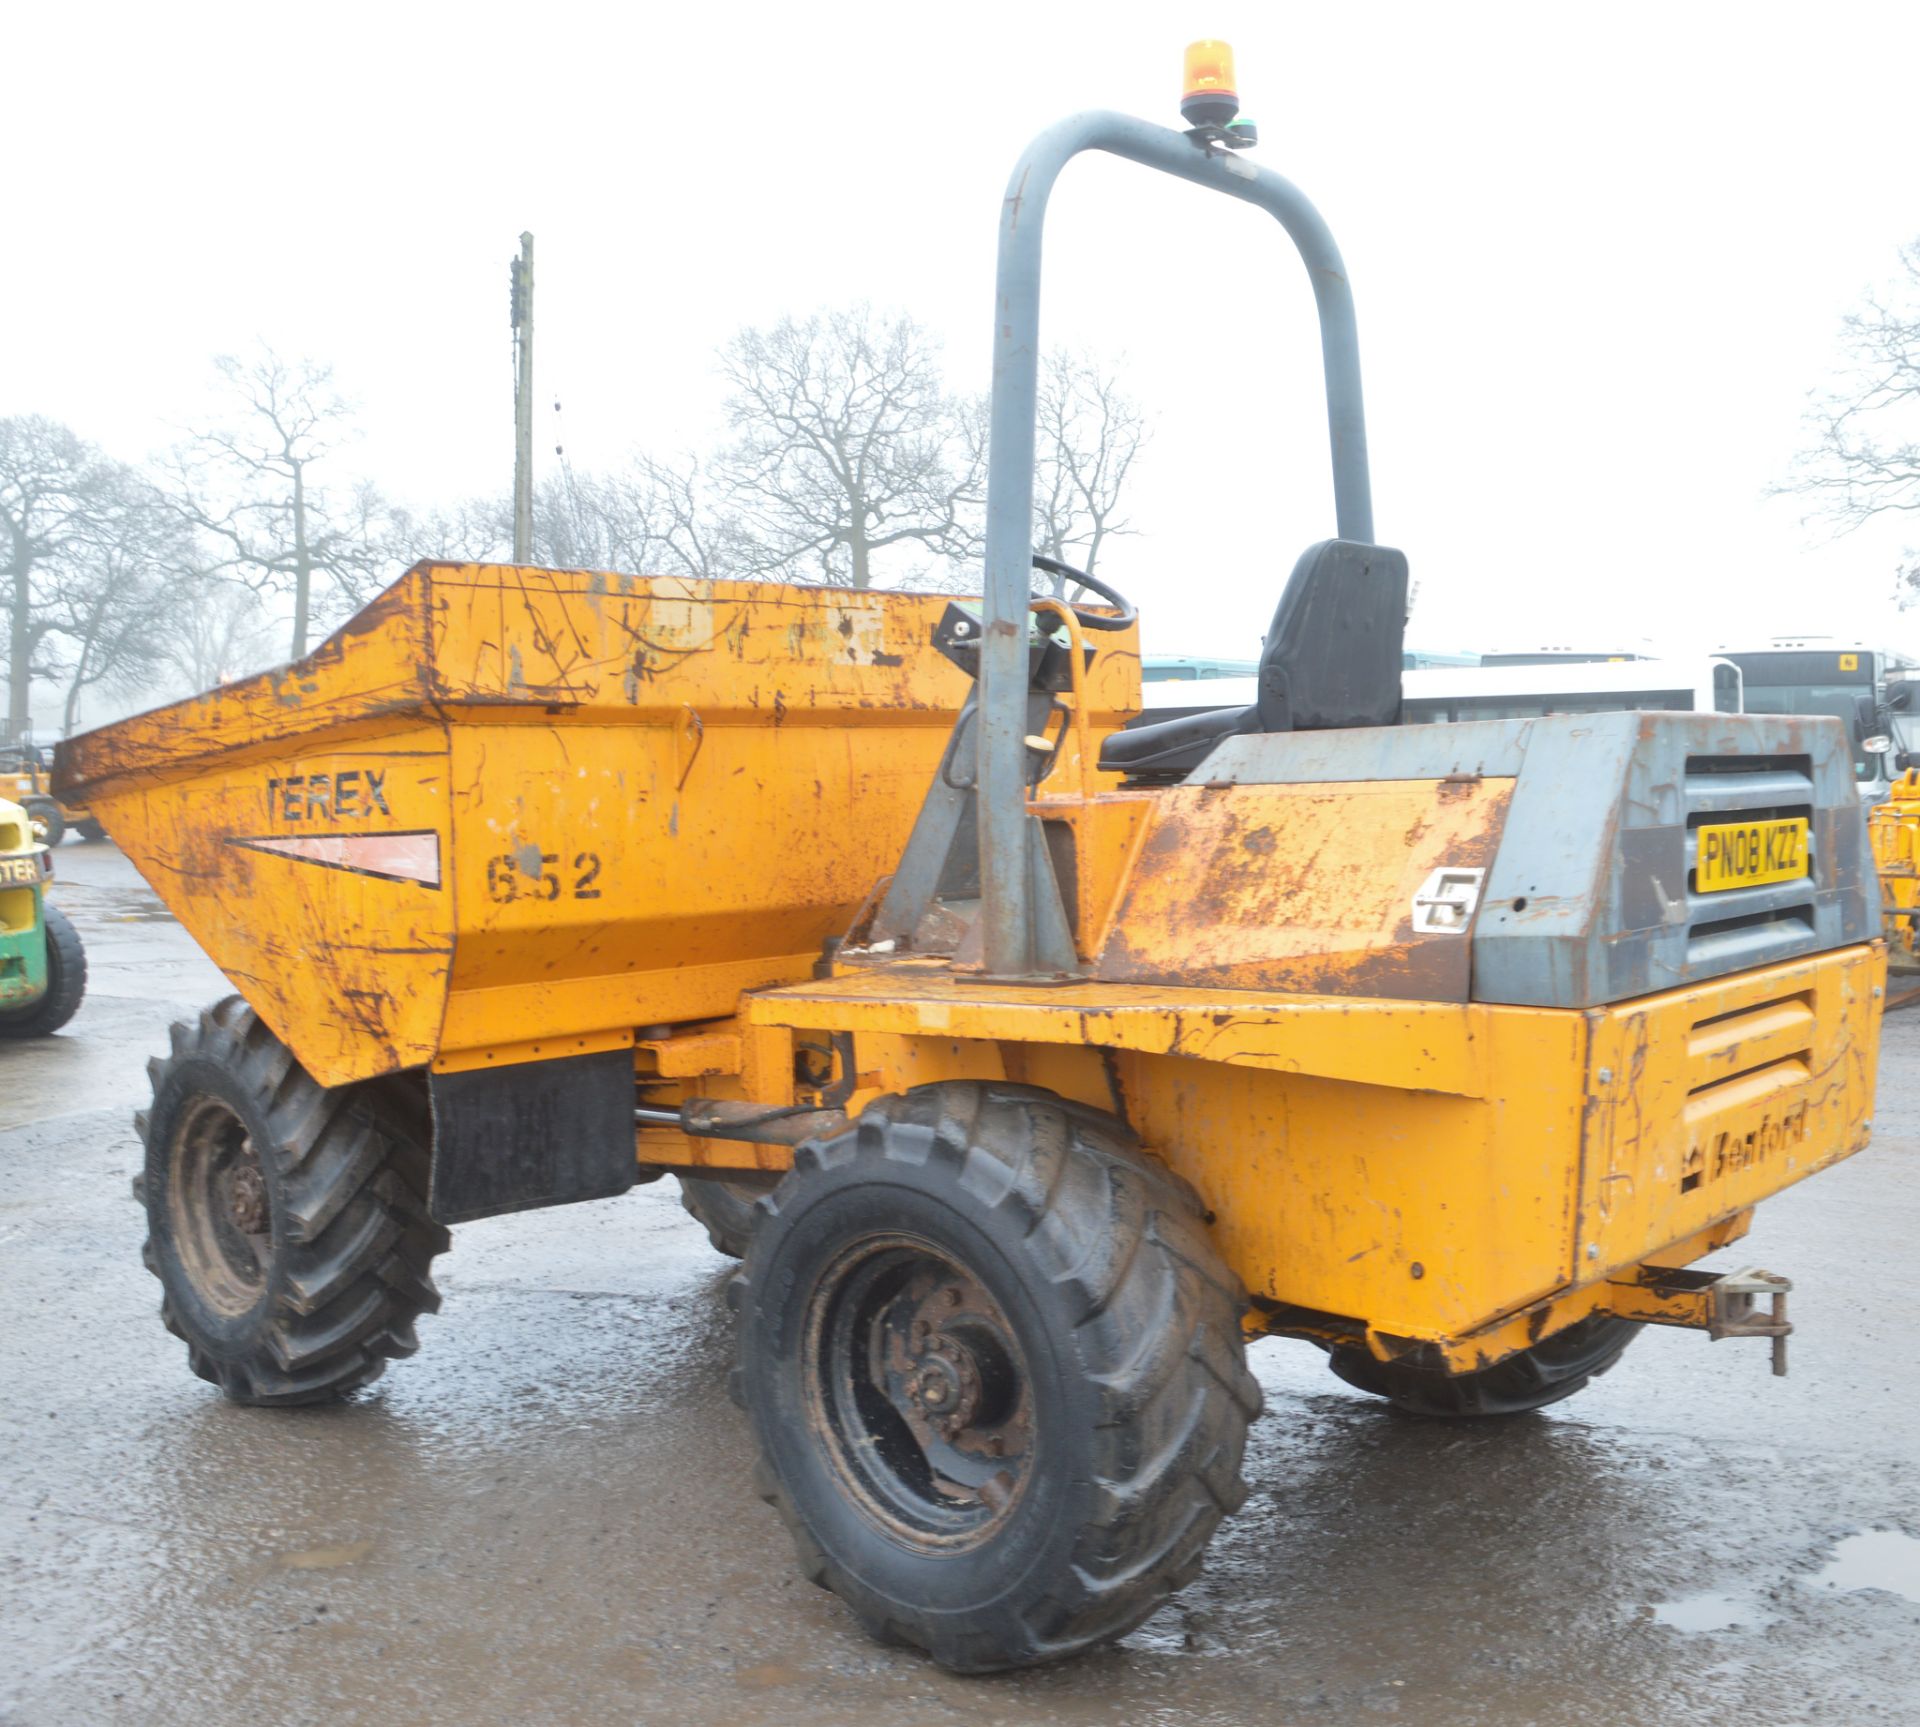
x: 1722, y: 1305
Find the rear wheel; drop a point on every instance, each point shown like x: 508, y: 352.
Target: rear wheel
x: 287, y: 1223
x: 66, y: 982
x: 1552, y: 1369
x: 90, y: 828
x: 47, y: 818
x: 725, y: 1209
x: 996, y: 1373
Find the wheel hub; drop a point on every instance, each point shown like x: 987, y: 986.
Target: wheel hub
x: 945, y: 1384
x: 222, y: 1213
x: 247, y: 1195
x: 924, y: 1391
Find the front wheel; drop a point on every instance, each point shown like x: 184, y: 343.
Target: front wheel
x: 1531, y: 1379
x: 287, y: 1223
x: 996, y: 1372
x: 66, y: 982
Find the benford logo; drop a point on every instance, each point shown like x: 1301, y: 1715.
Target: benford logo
x: 1729, y: 1152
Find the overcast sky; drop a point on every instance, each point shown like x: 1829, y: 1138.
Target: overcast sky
x: 1600, y: 254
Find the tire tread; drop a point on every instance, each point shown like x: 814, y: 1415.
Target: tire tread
x: 66, y: 981
x: 358, y: 1241
x: 1151, y: 1308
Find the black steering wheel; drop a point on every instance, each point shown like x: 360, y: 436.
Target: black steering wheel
x: 1089, y: 619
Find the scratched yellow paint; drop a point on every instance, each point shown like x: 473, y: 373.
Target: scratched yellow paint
x: 1725, y: 1094
x: 641, y: 797
x: 341, y: 964
x: 1425, y: 1169
x: 1338, y: 1143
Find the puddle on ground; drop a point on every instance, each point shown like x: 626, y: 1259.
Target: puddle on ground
x: 324, y: 1558
x: 1712, y: 1610
x: 1874, y: 1559
x: 136, y: 911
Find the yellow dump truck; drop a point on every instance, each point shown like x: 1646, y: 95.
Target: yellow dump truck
x: 1058, y: 1058
x: 24, y: 780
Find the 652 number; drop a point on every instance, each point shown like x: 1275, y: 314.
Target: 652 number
x: 507, y: 881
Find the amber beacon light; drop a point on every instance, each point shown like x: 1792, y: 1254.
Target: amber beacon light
x: 1209, y: 95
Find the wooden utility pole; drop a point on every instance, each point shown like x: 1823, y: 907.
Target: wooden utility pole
x: 523, y: 402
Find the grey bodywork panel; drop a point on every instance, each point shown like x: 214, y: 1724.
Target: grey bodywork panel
x: 1591, y: 897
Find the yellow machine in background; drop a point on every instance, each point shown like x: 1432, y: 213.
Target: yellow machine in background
x: 24, y: 781
x: 1034, y: 1062
x: 1895, y: 830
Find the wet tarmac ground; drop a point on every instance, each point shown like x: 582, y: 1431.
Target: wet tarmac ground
x: 546, y: 1517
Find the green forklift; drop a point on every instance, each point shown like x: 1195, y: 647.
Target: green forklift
x: 43, y: 967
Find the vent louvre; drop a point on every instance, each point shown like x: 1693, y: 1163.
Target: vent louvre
x: 1738, y: 1062
x: 1728, y: 1047
x: 1738, y: 783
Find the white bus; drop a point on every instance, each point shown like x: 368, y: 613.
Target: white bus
x: 1190, y: 669
x: 1527, y: 690
x: 1509, y: 692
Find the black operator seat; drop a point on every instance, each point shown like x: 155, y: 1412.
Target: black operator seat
x: 1331, y: 661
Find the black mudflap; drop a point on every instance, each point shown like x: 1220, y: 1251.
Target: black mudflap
x: 536, y: 1133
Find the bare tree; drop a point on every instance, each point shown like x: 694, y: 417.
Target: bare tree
x: 214, y: 630
x: 851, y: 455
x: 52, y: 485
x: 478, y: 530
x: 109, y: 597
x: 1089, y: 433
x: 652, y: 517
x: 668, y: 518
x: 252, y: 487
x: 1863, y: 458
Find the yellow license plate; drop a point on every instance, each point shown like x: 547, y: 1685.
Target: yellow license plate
x: 1750, y: 854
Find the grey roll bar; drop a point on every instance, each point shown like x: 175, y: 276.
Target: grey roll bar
x: 1007, y: 850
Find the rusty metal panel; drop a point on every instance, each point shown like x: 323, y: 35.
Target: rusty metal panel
x: 1707, y: 1100
x: 317, y: 880
x: 1404, y: 1045
x: 1593, y: 897
x: 507, y: 807
x: 557, y: 642
x: 1445, y: 1173
x: 369, y: 674
x: 1415, y: 1164
x: 578, y: 640
x: 1303, y: 887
